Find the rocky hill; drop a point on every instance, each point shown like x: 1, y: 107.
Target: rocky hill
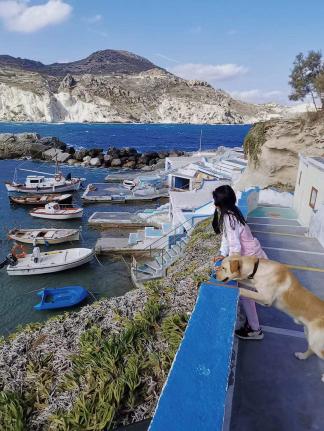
x: 100, y: 62
x: 273, y: 147
x: 115, y: 86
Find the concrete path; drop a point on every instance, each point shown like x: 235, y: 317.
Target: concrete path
x: 273, y: 390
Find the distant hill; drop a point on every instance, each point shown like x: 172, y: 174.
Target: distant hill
x: 100, y: 62
x: 116, y: 86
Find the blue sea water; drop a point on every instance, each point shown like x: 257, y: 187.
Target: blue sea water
x: 111, y: 276
x: 144, y: 137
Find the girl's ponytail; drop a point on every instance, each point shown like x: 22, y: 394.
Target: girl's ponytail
x: 215, y: 222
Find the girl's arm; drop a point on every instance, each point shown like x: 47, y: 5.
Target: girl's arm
x: 233, y: 235
x: 224, y: 248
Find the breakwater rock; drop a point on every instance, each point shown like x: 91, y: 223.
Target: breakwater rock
x: 36, y: 147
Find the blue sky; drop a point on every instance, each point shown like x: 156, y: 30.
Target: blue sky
x: 244, y: 47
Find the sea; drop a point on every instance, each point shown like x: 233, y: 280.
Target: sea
x: 105, y: 276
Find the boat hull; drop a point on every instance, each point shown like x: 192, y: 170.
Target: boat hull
x: 61, y: 297
x: 28, y: 200
x: 77, y: 214
x: 43, y: 190
x: 38, y: 269
x: 75, y: 236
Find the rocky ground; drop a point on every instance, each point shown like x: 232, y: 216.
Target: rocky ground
x: 115, y: 86
x: 272, y: 148
x: 106, y: 364
x: 22, y: 145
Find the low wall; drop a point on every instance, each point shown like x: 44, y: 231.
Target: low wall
x: 194, y: 395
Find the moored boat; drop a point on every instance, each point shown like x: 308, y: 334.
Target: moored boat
x: 56, y: 212
x: 41, y: 184
x: 61, y: 297
x: 44, y: 236
x: 41, y: 199
x: 52, y: 261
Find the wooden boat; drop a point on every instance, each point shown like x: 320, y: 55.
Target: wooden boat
x: 61, y: 297
x: 56, y: 212
x: 40, y: 199
x: 44, y: 236
x: 51, y: 261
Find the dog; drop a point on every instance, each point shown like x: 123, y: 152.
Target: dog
x: 274, y: 285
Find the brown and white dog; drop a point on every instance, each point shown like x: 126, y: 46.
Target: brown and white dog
x: 275, y: 285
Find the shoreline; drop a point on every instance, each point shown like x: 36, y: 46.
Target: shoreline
x: 71, y: 338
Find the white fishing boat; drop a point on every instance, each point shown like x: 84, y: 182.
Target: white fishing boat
x: 44, y: 236
x: 52, y: 261
x: 54, y: 211
x: 43, y: 184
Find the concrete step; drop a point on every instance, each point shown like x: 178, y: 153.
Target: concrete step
x: 154, y: 265
x: 145, y: 269
x: 176, y: 248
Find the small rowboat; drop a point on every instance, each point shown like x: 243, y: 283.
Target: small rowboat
x: 40, y: 199
x: 52, y: 261
x: 56, y: 212
x: 61, y: 297
x: 44, y: 236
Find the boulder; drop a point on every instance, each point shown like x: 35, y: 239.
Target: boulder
x: 94, y: 152
x: 80, y: 154
x: 71, y: 162
x: 130, y: 164
x: 95, y: 161
x: 87, y: 159
x: 107, y: 158
x: 115, y: 163
x: 147, y: 168
x: 55, y: 154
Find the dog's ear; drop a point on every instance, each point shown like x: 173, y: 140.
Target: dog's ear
x: 235, y: 266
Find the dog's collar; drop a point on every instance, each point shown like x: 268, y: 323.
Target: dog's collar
x: 256, y: 266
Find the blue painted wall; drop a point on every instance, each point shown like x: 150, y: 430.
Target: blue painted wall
x: 195, y: 393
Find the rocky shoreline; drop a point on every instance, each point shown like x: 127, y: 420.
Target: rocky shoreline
x: 106, y: 364
x: 49, y: 148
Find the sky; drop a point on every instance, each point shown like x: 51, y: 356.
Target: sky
x: 245, y: 47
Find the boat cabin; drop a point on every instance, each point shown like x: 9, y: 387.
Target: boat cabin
x: 34, y: 181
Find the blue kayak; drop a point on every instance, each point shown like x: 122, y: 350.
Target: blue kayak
x: 61, y: 297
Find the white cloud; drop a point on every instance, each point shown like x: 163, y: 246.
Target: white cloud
x: 209, y: 72
x: 165, y: 57
x: 18, y: 15
x: 94, y: 19
x: 259, y: 96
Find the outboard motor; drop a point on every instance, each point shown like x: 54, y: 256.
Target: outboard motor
x: 11, y: 259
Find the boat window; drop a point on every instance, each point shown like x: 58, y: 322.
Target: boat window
x: 34, y: 181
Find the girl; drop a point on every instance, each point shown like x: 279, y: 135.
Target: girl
x: 237, y: 239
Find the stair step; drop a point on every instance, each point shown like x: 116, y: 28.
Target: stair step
x: 154, y: 265
x: 172, y: 253
x: 176, y: 248
x: 144, y: 269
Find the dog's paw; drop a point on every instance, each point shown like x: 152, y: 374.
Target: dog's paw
x: 300, y: 355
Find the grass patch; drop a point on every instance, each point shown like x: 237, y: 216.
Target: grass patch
x: 254, y: 141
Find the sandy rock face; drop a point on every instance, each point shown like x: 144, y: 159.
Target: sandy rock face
x: 273, y: 148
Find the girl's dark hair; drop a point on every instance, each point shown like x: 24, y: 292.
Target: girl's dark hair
x: 225, y: 200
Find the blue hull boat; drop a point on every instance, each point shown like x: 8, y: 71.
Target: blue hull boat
x: 61, y: 297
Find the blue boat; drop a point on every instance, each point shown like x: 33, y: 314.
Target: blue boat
x: 61, y: 297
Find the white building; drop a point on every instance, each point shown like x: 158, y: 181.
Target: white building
x: 309, y: 190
